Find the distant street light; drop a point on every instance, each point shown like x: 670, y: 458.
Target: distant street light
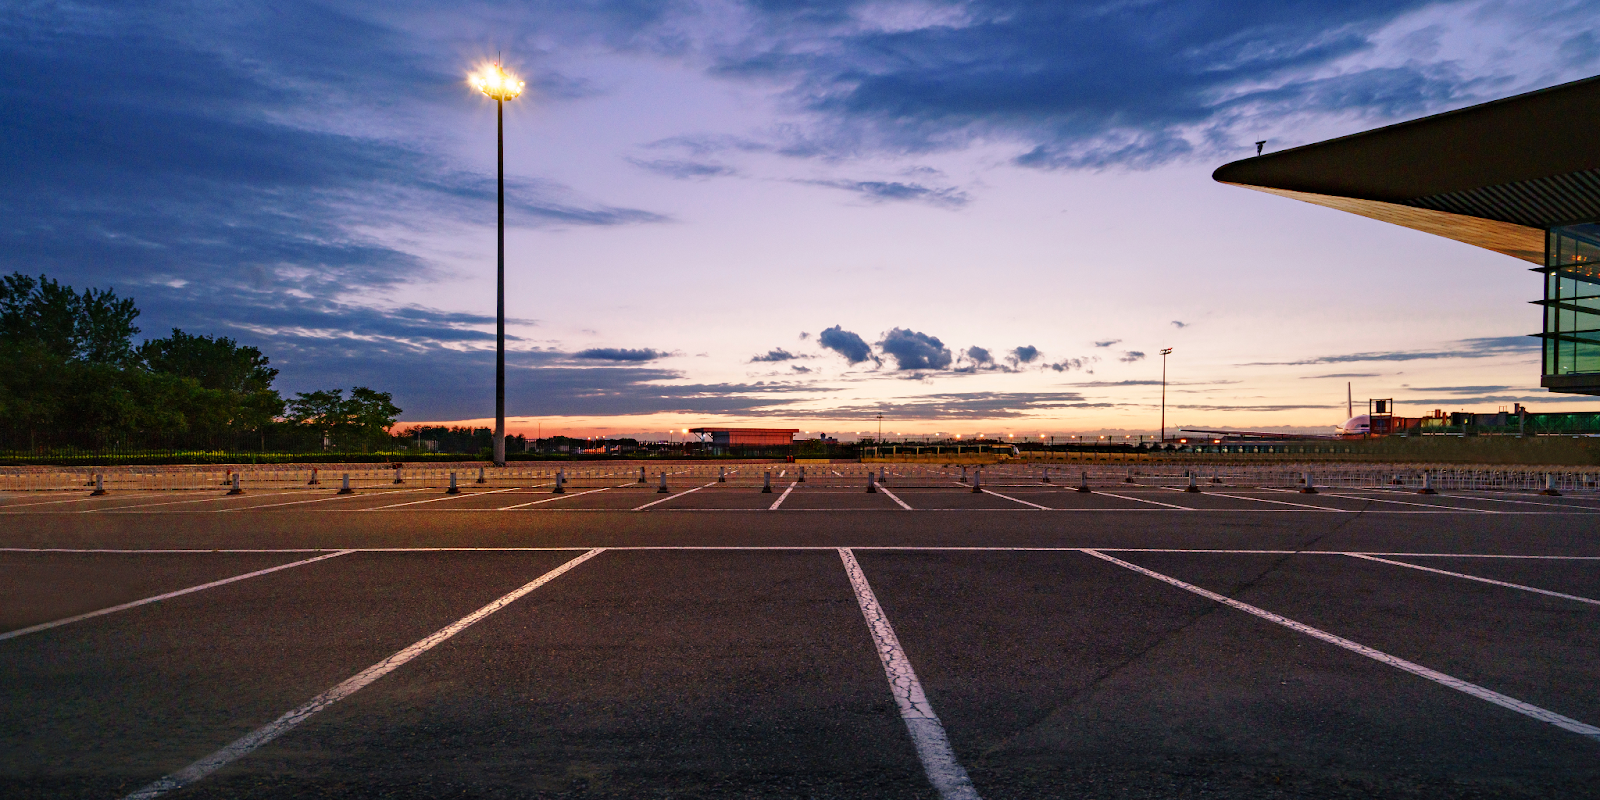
x: 1166, y: 351
x: 499, y: 86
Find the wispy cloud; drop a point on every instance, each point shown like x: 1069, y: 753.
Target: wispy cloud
x: 620, y: 354
x: 683, y: 169
x: 896, y: 191
x: 1484, y: 347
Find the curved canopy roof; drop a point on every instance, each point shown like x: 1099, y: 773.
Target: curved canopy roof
x: 1493, y: 175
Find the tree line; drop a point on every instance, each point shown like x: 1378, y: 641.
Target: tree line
x: 71, y: 374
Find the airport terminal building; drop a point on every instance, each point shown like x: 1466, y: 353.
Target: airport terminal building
x: 1520, y: 176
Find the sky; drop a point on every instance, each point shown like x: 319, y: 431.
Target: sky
x: 969, y: 217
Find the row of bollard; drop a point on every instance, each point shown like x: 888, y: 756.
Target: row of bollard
x: 881, y: 477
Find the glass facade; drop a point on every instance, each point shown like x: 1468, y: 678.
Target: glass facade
x: 1572, y: 305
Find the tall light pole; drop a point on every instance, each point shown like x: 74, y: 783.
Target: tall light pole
x: 499, y: 86
x: 1165, y: 351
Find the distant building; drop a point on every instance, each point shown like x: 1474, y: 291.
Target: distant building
x: 746, y: 437
x: 1519, y: 176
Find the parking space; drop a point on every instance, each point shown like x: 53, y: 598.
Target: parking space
x: 40, y: 587
x: 1057, y: 670
x: 957, y: 499
x: 724, y: 497
x: 1099, y: 500
x: 820, y: 498
x: 102, y: 707
x: 640, y: 674
x: 1536, y: 648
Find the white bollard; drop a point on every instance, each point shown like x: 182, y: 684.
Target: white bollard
x: 482, y: 478
x: 1427, y: 484
x: 872, y: 485
x: 802, y: 477
x: 1193, y: 487
x: 766, y: 482
x: 99, y: 486
x: 1083, y: 488
x: 235, y: 489
x: 641, y: 475
x: 963, y: 474
x: 722, y: 474
x: 977, y: 481
x: 1550, y: 486
x: 1308, y: 487
x: 663, y: 488
x: 313, y: 481
x: 561, y: 481
x: 453, y: 489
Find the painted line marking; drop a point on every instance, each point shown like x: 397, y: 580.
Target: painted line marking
x: 1285, y: 503
x: 260, y: 736
x: 336, y: 496
x: 180, y: 502
x: 546, y: 500
x: 1420, y: 505
x: 894, y: 497
x: 783, y: 497
x: 1502, y: 500
x: 1489, y: 695
x: 51, y: 502
x: 679, y: 494
x: 1152, y: 502
x: 1465, y: 576
x: 442, y: 497
x: 44, y: 626
x: 946, y: 774
x: 1015, y: 500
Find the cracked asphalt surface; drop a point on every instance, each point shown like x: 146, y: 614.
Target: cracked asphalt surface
x: 670, y: 665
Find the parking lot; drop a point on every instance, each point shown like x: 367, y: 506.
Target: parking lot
x: 1024, y: 639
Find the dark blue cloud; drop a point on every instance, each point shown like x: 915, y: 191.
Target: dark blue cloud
x: 620, y: 354
x: 1083, y: 84
x: 682, y: 169
x: 913, y: 350
x: 775, y: 354
x: 891, y: 191
x: 850, y: 345
x: 1024, y: 354
x: 1130, y: 356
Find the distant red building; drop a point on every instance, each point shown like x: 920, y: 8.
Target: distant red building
x: 746, y: 437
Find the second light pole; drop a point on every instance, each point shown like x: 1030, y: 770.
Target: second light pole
x: 499, y: 86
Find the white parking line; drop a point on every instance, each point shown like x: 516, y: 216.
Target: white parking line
x: 44, y: 626
x: 783, y: 497
x: 260, y: 736
x: 1284, y: 503
x: 1461, y: 496
x: 1489, y: 695
x: 224, y: 496
x: 1015, y: 500
x: 1420, y: 505
x: 938, y: 758
x: 894, y: 497
x: 335, y: 496
x: 51, y: 502
x: 552, y: 499
x: 679, y: 494
x: 443, y: 497
x: 1545, y: 592
x: 1142, y: 500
